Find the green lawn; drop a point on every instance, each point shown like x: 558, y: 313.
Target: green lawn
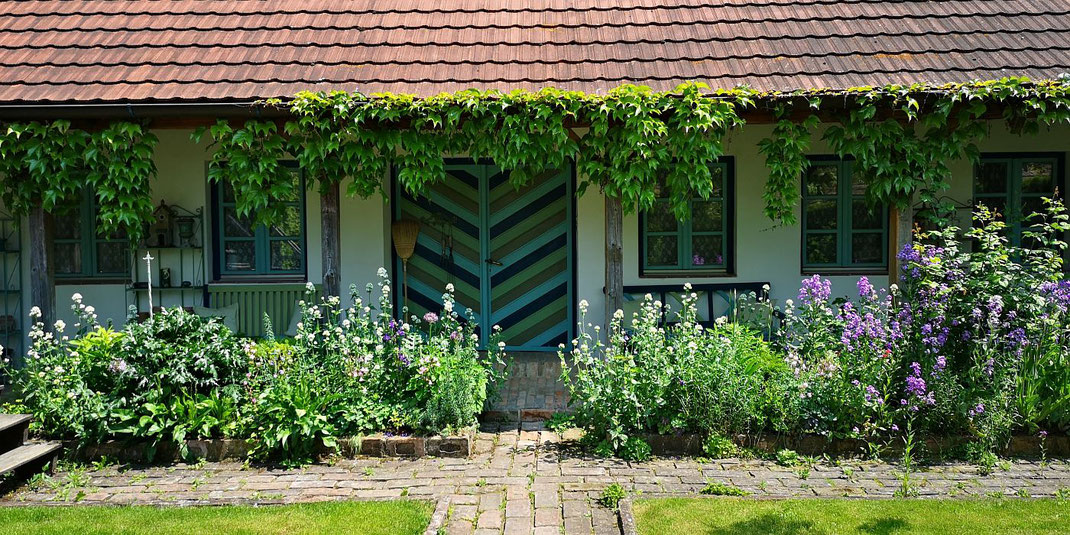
x: 742, y: 516
x: 365, y: 518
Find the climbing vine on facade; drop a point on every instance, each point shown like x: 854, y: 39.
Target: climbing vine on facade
x: 49, y: 164
x: 632, y: 140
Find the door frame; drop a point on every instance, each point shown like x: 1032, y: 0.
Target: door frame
x: 484, y: 205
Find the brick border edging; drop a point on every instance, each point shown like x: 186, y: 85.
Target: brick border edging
x: 691, y: 444
x: 439, y: 516
x: 214, y: 450
x: 626, y: 518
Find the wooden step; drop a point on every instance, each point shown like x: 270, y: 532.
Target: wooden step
x: 30, y: 458
x: 14, y: 430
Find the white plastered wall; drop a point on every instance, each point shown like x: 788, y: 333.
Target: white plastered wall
x: 763, y: 252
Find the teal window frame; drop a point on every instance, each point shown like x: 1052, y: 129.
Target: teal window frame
x: 261, y: 239
x: 88, y: 240
x: 844, y: 231
x: 1013, y: 196
x: 685, y: 233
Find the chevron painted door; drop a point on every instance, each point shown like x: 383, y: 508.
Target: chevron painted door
x: 508, y: 252
x: 530, y: 267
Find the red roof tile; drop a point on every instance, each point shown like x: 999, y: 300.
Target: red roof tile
x: 178, y: 50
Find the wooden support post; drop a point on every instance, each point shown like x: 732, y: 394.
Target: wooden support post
x: 614, y: 259
x: 331, y: 240
x: 42, y: 267
x: 902, y: 234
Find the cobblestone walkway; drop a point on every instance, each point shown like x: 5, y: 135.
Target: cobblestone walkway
x: 524, y: 482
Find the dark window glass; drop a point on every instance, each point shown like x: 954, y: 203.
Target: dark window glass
x: 81, y: 251
x: 700, y: 242
x: 841, y: 230
x: 245, y: 248
x: 1014, y: 188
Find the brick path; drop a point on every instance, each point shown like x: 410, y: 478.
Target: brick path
x: 524, y: 482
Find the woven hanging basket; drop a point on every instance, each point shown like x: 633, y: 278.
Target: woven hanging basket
x: 404, y: 233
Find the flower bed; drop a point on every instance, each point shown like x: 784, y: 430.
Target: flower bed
x: 971, y: 344
x: 348, y: 372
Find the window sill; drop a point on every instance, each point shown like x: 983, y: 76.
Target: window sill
x: 685, y: 273
x: 90, y: 281
x: 845, y: 272
x: 260, y: 279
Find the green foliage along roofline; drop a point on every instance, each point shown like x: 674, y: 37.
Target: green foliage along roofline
x: 623, y: 142
x: 49, y: 164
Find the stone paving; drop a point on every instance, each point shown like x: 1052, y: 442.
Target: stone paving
x: 525, y: 482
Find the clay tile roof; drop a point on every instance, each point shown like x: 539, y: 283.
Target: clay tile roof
x: 180, y: 50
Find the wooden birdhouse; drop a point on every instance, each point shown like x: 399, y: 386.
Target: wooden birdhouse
x: 161, y: 231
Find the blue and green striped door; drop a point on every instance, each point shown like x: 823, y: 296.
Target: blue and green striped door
x: 507, y: 251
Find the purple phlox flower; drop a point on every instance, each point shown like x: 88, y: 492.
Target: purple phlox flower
x: 895, y: 427
x: 404, y: 359
x: 873, y: 395
x: 978, y: 410
x: 916, y: 386
x: 941, y: 363
x: 815, y: 290
x: 1017, y: 339
x: 698, y: 260
x: 430, y: 317
x: 865, y: 288
x: 1057, y: 294
x: 995, y: 305
x: 1042, y: 434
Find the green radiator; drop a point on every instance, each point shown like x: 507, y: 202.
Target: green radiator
x: 277, y: 300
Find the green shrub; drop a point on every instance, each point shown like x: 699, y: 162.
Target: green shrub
x: 178, y: 352
x: 612, y: 495
x: 789, y: 458
x: 70, y: 396
x: 719, y: 447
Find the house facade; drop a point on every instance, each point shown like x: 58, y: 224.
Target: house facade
x: 521, y: 259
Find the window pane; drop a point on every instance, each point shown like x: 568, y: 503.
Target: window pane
x: 112, y: 258
x: 863, y: 216
x: 991, y: 177
x: 1030, y: 206
x: 1038, y: 177
x: 660, y: 218
x: 996, y: 204
x: 661, y: 251
x: 228, y: 192
x: 822, y: 180
x: 717, y: 175
x: 68, y: 225
x: 285, y: 255
x: 859, y: 183
x: 68, y: 257
x: 239, y: 256
x: 707, y: 251
x: 820, y: 248
x: 867, y: 248
x: 289, y: 223
x: 707, y: 216
x: 295, y: 196
x: 821, y: 214
x: 236, y: 226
